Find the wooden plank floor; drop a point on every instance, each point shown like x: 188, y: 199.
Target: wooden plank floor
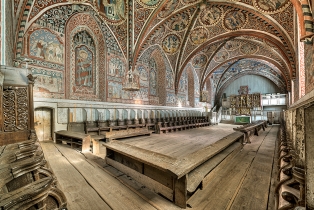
x: 241, y: 183
x: 180, y: 143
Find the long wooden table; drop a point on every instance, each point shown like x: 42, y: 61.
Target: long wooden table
x: 74, y: 139
x: 252, y: 128
x: 172, y: 177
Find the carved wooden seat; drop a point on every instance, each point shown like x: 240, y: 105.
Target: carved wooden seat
x: 25, y: 181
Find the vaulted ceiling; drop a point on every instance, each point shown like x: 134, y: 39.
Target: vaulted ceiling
x: 214, y: 37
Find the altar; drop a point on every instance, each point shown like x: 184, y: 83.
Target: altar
x: 243, y: 119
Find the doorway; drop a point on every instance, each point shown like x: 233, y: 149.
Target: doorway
x: 43, y: 124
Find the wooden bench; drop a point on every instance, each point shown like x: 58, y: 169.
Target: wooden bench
x: 124, y: 132
x: 252, y: 128
x: 74, y: 139
x: 172, y: 177
x: 181, y: 124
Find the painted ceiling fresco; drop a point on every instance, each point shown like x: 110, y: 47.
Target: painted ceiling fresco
x: 218, y: 39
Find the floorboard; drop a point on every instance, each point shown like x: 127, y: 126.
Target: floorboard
x: 240, y: 182
x: 78, y: 192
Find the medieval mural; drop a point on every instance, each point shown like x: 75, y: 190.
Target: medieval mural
x: 152, y: 78
x: 103, y: 45
x: 45, y: 45
x: 112, y: 10
x: 47, y: 81
x: 84, y: 59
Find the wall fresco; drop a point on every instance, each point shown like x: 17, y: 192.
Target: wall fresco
x: 152, y: 78
x: 199, y: 35
x: 113, y: 11
x: 199, y: 61
x: 171, y: 43
x: 183, y: 82
x: 84, y: 66
x: 116, y: 67
x: 211, y: 16
x: 180, y: 22
x: 270, y: 7
x: 234, y: 20
x: 169, y: 7
x: 144, y: 78
x: 47, y: 81
x: 169, y: 79
x: 45, y: 45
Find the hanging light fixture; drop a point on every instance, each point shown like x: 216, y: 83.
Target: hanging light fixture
x: 131, y: 81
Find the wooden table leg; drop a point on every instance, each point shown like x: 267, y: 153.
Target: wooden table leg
x: 95, y: 147
x: 180, y: 192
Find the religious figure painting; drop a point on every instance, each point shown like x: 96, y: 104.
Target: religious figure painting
x: 199, y: 35
x: 169, y: 7
x: 199, y: 61
x: 232, y: 45
x: 171, y: 98
x: 116, y: 67
x: 113, y: 10
x: 48, y: 81
x: 143, y: 75
x: 114, y: 90
x: 83, y: 66
x: 211, y: 16
x: 169, y: 79
x: 234, y: 20
x: 153, y: 78
x: 183, y: 82
x: 180, y: 22
x: 141, y: 94
x: 45, y: 45
x: 181, y: 100
x: 171, y: 43
x: 271, y: 6
x: 221, y: 56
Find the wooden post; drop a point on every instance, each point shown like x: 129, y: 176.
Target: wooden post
x: 1, y: 95
x: 180, y: 192
x: 31, y: 81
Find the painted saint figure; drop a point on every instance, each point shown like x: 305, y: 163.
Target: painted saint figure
x: 84, y: 69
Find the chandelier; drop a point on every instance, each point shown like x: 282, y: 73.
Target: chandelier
x: 131, y: 81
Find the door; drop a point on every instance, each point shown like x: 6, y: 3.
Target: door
x: 270, y: 117
x: 276, y: 118
x: 43, y: 124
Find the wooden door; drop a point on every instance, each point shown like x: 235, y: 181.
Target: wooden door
x: 270, y: 117
x: 43, y: 125
x: 276, y: 118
